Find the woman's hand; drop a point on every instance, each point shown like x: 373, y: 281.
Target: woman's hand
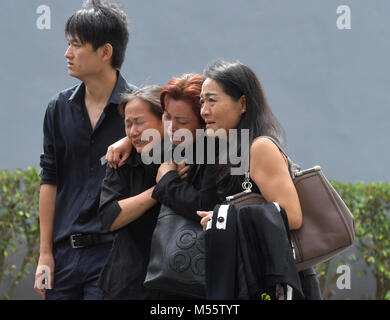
x: 164, y: 168
x: 182, y: 170
x: 206, y: 216
x: 118, y: 152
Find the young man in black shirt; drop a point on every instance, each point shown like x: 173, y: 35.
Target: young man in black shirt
x: 80, y: 123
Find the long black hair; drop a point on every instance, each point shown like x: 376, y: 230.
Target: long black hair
x: 237, y: 80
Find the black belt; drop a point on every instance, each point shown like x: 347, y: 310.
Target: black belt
x: 82, y: 240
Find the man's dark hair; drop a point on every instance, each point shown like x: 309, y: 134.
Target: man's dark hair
x: 99, y: 23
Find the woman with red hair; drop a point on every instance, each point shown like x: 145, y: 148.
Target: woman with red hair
x: 180, y: 102
x: 181, y: 105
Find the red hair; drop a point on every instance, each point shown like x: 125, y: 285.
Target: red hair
x: 186, y: 87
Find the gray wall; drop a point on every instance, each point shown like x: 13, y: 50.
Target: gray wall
x: 327, y: 86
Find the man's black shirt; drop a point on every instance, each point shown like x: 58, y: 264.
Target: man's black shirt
x: 71, y: 157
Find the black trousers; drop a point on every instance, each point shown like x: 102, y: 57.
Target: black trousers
x: 77, y: 271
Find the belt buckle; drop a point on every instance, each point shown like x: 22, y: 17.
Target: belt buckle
x: 73, y: 240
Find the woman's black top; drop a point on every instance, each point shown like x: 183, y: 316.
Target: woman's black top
x: 197, y: 192
x: 123, y: 275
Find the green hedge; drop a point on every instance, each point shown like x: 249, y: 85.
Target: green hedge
x: 19, y: 223
x: 370, y: 206
x: 19, y: 226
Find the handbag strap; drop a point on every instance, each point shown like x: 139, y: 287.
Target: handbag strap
x: 292, y: 166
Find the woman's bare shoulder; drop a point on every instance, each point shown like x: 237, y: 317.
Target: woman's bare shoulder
x: 263, y: 145
x: 265, y: 153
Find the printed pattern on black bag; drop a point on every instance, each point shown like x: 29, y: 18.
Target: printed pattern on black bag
x: 177, y: 256
x: 190, y: 253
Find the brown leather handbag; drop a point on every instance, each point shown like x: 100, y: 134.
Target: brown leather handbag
x: 328, y: 225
